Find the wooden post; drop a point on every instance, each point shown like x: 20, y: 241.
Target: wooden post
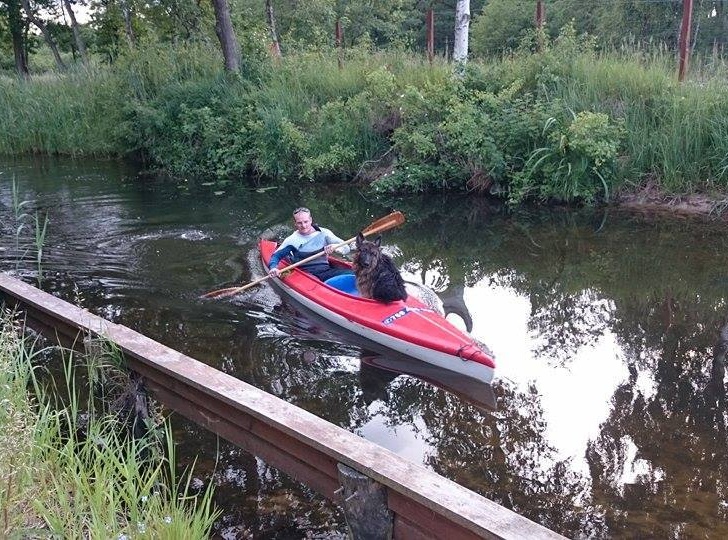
x: 540, y: 16
x: 430, y: 23
x: 365, y: 505
x: 339, y: 43
x: 685, y: 39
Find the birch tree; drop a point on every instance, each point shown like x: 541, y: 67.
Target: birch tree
x: 270, y: 17
x: 462, y: 25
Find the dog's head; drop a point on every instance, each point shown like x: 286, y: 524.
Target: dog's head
x: 367, y: 253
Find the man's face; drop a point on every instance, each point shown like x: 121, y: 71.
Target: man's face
x: 303, y: 222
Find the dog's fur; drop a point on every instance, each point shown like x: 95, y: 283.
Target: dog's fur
x: 376, y: 275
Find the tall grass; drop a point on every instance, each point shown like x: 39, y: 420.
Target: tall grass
x: 304, y: 116
x: 675, y: 132
x: 77, y: 114
x: 75, y: 472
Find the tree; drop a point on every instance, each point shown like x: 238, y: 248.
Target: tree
x: 40, y: 24
x: 462, y: 27
x: 17, y: 29
x: 80, y: 45
x: 226, y: 35
x: 270, y: 17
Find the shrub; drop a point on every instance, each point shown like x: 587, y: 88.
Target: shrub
x: 578, y: 161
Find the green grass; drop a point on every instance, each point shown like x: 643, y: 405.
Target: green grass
x: 303, y: 116
x: 675, y: 132
x: 73, y: 471
x: 76, y: 114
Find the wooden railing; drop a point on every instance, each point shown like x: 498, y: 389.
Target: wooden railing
x: 415, y: 502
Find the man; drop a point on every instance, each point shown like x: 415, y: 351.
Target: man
x: 307, y: 240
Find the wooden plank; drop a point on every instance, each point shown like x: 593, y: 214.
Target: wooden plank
x: 214, y: 412
x: 280, y: 431
x: 422, y: 522
x: 291, y: 464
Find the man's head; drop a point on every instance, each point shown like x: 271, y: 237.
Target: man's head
x: 302, y: 220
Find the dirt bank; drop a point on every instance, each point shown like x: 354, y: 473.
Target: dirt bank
x: 649, y: 198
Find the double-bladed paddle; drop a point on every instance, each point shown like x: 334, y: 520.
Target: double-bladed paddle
x: 382, y: 224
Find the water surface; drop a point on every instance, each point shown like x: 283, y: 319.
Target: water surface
x: 611, y: 417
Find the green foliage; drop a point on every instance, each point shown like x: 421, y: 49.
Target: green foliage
x: 195, y: 128
x: 76, y: 114
x: 388, y: 115
x: 456, y: 136
x: 579, y: 161
x: 501, y: 26
x: 72, y: 469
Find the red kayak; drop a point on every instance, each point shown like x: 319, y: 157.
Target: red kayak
x: 409, y: 327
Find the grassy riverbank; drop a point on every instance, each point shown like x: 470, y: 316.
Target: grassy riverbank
x: 71, y: 472
x: 566, y: 124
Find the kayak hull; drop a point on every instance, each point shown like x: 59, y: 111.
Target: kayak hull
x: 407, y: 327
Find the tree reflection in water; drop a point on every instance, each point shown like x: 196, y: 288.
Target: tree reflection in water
x: 652, y: 290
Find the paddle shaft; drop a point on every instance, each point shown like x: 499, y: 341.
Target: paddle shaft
x: 383, y: 224
x: 234, y: 290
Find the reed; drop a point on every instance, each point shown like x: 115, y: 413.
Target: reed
x: 40, y: 234
x: 75, y: 114
x: 675, y: 133
x: 73, y: 471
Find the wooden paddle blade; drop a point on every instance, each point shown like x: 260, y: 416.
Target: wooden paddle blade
x: 221, y: 293
x: 229, y: 291
x: 384, y: 224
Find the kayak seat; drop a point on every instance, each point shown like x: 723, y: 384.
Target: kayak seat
x: 345, y: 283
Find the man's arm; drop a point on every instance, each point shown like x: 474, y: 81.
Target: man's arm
x: 331, y: 238
x: 280, y: 253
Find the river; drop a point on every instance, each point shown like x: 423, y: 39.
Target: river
x: 611, y: 414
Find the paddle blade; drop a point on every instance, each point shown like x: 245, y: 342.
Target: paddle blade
x: 384, y: 224
x: 222, y: 293
x: 230, y: 291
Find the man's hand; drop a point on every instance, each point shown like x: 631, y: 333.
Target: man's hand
x: 274, y: 272
x: 329, y: 248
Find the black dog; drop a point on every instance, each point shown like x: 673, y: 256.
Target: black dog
x: 376, y: 275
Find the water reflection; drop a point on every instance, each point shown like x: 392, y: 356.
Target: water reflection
x: 609, y: 334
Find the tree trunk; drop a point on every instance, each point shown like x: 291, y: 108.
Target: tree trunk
x: 80, y: 45
x: 15, y: 23
x: 339, y: 38
x: 462, y: 25
x: 226, y: 35
x: 430, y: 24
x: 684, y: 42
x: 275, y: 46
x: 128, y: 27
x: 46, y: 34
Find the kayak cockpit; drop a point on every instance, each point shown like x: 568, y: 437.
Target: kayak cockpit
x: 344, y: 283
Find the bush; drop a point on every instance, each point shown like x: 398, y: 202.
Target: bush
x: 579, y: 161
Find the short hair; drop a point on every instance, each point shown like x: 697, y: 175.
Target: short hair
x: 301, y: 209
